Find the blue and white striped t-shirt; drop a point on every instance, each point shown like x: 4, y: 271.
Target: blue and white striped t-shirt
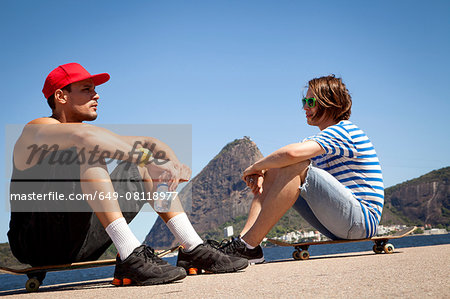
x: 351, y: 158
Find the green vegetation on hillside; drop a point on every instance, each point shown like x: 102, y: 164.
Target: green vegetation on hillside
x: 411, y: 216
x: 442, y: 174
x: 7, y: 259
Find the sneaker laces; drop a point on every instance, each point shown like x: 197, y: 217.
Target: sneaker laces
x: 226, y: 245
x: 216, y: 247
x: 149, y: 254
x: 226, y: 242
x: 219, y: 245
x: 214, y: 244
x: 230, y: 246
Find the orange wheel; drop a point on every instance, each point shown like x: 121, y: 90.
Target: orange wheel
x: 126, y: 281
x: 116, y: 282
x: 193, y: 271
x: 304, y: 255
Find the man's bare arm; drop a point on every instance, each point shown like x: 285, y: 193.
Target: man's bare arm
x: 287, y: 155
x: 51, y: 135
x: 159, y: 149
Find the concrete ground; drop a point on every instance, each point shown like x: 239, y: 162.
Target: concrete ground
x: 408, y: 273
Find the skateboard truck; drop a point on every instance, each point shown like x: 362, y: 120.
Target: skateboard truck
x: 301, y: 253
x: 383, y: 246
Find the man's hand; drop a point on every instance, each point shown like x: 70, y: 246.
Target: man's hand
x: 185, y: 172
x: 254, y: 179
x: 255, y: 183
x: 170, y: 172
x: 166, y: 171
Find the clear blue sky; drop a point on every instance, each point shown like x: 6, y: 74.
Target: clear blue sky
x: 235, y: 68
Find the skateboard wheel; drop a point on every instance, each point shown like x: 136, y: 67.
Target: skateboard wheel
x: 32, y: 284
x: 296, y: 255
x: 126, y: 282
x: 193, y: 271
x: 388, y: 248
x: 116, y: 282
x: 377, y: 249
x: 304, y: 255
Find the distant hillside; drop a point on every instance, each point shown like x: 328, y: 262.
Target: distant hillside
x: 424, y: 200
x: 6, y: 257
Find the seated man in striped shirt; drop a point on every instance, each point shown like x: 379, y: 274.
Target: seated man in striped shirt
x: 333, y: 179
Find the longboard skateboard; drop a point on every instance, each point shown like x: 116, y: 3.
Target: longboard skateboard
x: 36, y: 275
x: 381, y: 244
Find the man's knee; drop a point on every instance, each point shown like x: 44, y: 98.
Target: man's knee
x: 286, y: 174
x: 293, y: 170
x: 271, y: 173
x: 300, y: 168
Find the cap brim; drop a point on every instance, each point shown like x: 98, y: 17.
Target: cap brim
x: 100, y: 78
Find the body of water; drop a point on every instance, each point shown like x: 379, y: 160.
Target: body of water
x: 13, y: 282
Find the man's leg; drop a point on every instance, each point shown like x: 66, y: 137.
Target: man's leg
x: 278, y: 196
x: 136, y: 263
x: 324, y: 202
x: 195, y: 255
x: 175, y: 219
x: 95, y: 179
x: 280, y: 191
x: 331, y: 207
x: 258, y: 200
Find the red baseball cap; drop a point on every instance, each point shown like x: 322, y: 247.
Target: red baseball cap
x: 69, y: 73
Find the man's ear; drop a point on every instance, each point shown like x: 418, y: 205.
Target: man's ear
x: 60, y: 96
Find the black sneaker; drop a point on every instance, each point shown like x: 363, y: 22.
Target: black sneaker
x: 236, y: 247
x: 210, y: 259
x: 144, y: 267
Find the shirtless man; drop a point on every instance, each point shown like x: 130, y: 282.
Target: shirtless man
x: 43, y: 237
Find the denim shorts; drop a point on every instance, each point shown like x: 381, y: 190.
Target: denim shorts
x: 330, y: 207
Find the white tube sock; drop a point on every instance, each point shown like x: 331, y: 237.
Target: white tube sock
x: 182, y: 229
x: 122, y: 237
x: 247, y: 245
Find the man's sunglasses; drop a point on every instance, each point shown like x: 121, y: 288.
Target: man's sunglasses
x: 310, y: 101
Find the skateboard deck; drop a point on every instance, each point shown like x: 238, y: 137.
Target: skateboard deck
x: 381, y: 243
x: 36, y: 275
